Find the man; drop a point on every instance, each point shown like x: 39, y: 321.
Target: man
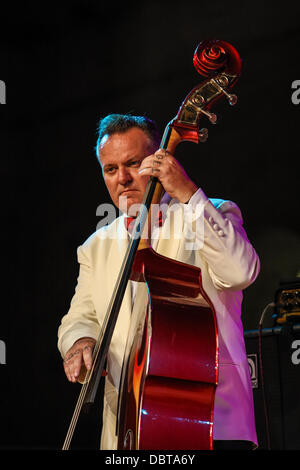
x: 127, y: 152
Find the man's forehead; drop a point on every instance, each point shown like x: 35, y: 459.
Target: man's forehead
x: 131, y: 142
x: 134, y: 134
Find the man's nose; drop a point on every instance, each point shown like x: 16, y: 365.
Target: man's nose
x: 124, y: 175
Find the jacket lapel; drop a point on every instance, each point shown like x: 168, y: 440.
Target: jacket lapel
x: 171, y: 232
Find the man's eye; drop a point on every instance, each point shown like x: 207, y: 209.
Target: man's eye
x: 135, y: 163
x: 110, y: 170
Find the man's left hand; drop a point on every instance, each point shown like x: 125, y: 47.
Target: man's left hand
x: 170, y: 173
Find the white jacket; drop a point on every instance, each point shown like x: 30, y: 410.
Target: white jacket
x: 228, y: 264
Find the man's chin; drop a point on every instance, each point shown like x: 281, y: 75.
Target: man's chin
x: 129, y: 205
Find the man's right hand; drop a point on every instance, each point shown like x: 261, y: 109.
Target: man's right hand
x: 79, y: 358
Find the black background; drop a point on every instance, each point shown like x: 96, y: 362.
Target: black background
x: 65, y: 66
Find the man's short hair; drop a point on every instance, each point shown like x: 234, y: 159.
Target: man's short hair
x: 114, y: 123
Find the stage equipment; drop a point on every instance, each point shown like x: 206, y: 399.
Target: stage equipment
x: 274, y: 362
x: 287, y: 300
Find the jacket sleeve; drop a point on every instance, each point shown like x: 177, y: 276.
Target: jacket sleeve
x: 223, y: 243
x: 81, y: 320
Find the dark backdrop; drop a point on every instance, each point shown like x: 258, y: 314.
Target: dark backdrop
x: 65, y: 67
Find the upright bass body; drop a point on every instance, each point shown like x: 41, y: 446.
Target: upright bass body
x: 171, y: 361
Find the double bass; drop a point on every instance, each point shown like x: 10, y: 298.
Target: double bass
x: 170, y: 368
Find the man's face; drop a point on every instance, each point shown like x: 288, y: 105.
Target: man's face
x: 120, y: 157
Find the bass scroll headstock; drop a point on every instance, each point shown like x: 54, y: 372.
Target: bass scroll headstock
x: 220, y: 64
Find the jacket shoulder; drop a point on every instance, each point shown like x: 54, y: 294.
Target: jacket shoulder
x: 217, y: 202
x: 107, y: 232
x: 226, y: 206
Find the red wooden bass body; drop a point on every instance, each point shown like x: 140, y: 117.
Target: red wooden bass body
x: 170, y: 379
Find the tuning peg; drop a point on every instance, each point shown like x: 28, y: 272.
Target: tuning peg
x: 203, y: 135
x: 211, y: 116
x: 198, y: 100
x: 232, y: 99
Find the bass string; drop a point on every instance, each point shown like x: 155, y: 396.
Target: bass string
x: 84, y: 388
x: 135, y: 236
x: 136, y: 233
x: 75, y: 417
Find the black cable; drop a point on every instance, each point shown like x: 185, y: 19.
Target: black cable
x: 270, y: 305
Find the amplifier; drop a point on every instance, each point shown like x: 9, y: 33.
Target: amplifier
x: 287, y: 300
x: 274, y: 362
